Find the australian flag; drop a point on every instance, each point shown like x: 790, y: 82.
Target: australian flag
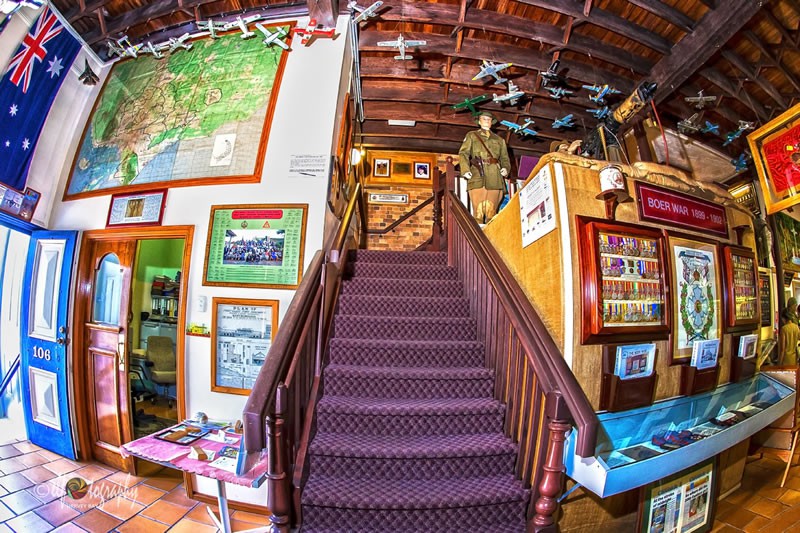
x: 27, y: 91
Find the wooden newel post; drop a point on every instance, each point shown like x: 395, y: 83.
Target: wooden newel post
x: 278, y: 493
x: 552, y: 479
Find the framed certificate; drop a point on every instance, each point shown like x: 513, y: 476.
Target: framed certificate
x: 137, y: 209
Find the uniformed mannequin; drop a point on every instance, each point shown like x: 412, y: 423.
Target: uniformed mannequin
x: 483, y: 160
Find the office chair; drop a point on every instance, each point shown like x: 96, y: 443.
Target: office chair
x: 142, y: 388
x: 162, y: 355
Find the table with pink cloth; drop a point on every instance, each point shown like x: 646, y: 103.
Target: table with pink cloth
x: 176, y: 456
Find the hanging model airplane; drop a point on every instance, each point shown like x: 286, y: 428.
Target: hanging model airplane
x: 122, y: 47
x: 210, y: 28
x: 470, y: 103
x: 489, y: 68
x: 732, y: 136
x: 559, y: 92
x: 551, y: 74
x: 564, y: 122
x: 242, y: 23
x: 150, y: 48
x: 690, y: 125
x: 512, y: 96
x: 601, y: 91
x: 401, y: 44
x: 710, y: 127
x: 744, y: 125
x: 275, y: 37
x: 520, y: 129
x: 312, y: 31
x: 88, y: 77
x: 173, y: 44
x: 601, y: 113
x: 740, y: 163
x: 365, y: 13
x: 700, y: 100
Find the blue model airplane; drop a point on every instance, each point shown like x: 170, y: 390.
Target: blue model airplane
x: 740, y: 163
x: 710, y: 127
x: 491, y: 69
x: 601, y: 113
x: 470, y: 103
x: 732, y: 136
x: 521, y: 129
x: 601, y: 91
x: 558, y: 92
x: 564, y: 122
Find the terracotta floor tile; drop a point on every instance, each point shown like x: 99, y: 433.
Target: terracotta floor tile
x: 106, y: 489
x: 61, y: 466
x: 190, y: 526
x: 46, y: 492
x: 86, y: 502
x: 97, y: 521
x: 178, y: 497
x: 9, y: 466
x: 3, y: 491
x: 161, y: 482
x: 792, y: 482
x: 125, y: 479
x: 27, y: 447
x: 768, y: 508
x: 5, y: 513
x: 69, y: 528
x: 200, y: 514
x: 32, y: 459
x: 50, y: 456
x: 720, y: 527
x: 782, y: 521
x: 253, y: 518
x: 756, y: 524
x: 165, y: 512
x: 140, y: 524
x: 29, y: 523
x: 56, y: 513
x: 790, y: 497
x: 20, y: 502
x: 14, y: 482
x: 738, y: 497
x: 143, y: 494
x: 739, y: 518
x: 238, y: 525
x: 122, y: 508
x: 772, y: 493
x: 8, y: 451
x: 5, y: 529
x: 93, y: 472
x: 37, y: 474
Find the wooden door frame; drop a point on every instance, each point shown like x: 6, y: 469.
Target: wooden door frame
x: 82, y: 305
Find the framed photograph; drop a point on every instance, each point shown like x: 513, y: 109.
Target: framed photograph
x: 380, y: 168
x: 747, y: 346
x: 635, y: 361
x: 705, y: 354
x: 695, y: 277
x: 140, y: 209
x: 258, y: 245
x: 241, y: 335
x: 422, y: 171
x: 776, y: 153
x: 19, y: 204
x: 683, y: 502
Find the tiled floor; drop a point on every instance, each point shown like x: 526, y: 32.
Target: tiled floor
x: 33, y: 498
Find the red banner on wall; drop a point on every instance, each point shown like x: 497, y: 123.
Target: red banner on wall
x: 669, y: 207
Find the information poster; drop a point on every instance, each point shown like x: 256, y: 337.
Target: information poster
x: 765, y: 294
x: 681, y: 503
x: 537, y: 208
x: 256, y: 246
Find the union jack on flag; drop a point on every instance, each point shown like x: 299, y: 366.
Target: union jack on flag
x: 27, y: 92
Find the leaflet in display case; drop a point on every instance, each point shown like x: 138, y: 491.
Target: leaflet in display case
x: 742, y: 305
x: 623, y: 282
x: 635, y: 447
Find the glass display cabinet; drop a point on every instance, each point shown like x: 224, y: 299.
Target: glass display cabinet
x: 741, y: 289
x: 635, y: 447
x: 623, y: 282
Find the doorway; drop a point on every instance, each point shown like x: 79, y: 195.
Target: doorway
x: 130, y: 313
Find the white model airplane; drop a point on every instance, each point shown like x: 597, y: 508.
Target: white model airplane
x: 122, y: 47
x: 271, y: 38
x: 744, y: 125
x: 365, y: 13
x: 489, y: 68
x: 700, y: 101
x: 690, y: 125
x: 211, y: 28
x: 401, y: 44
x: 150, y: 48
x: 512, y: 96
x: 242, y: 23
x: 173, y: 43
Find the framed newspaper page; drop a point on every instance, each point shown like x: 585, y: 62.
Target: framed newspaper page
x: 683, y: 502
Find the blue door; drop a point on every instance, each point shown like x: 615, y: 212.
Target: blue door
x: 45, y: 369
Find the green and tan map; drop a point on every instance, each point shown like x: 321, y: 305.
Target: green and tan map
x: 195, y: 113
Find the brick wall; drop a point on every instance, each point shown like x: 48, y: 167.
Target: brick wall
x: 410, y: 233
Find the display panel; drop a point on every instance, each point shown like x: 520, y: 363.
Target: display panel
x: 741, y: 288
x: 623, y: 280
x: 765, y: 297
x: 684, y: 503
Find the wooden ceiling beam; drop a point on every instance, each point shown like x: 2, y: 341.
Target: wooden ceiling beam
x: 710, y: 34
x: 83, y: 9
x: 668, y: 13
x: 323, y: 11
x: 766, y: 54
x: 737, y: 61
x: 787, y: 39
x: 720, y: 80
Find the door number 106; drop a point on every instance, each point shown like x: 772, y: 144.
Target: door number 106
x: 41, y: 353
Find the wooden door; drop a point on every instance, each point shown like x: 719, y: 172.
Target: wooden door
x: 105, y: 357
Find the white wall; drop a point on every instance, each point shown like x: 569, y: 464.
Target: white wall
x: 304, y: 122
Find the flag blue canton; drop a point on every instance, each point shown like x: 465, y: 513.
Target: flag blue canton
x: 27, y: 91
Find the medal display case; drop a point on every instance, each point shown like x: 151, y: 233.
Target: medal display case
x: 741, y: 289
x: 622, y: 269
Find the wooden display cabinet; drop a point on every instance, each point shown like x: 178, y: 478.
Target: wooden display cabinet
x: 623, y: 282
x: 740, y: 295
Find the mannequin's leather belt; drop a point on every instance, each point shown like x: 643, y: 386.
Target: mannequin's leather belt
x: 491, y: 160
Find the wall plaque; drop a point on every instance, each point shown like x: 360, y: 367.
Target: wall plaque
x: 663, y: 206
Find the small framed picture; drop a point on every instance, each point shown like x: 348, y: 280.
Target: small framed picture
x: 422, y: 171
x: 704, y: 354
x: 747, y: 346
x: 381, y: 168
x: 137, y: 209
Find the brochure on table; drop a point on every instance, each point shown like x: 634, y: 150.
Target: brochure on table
x: 636, y: 447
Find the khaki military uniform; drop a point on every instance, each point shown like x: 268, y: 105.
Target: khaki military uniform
x: 487, y: 190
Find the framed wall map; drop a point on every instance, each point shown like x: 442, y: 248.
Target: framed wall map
x: 256, y: 246
x: 196, y: 116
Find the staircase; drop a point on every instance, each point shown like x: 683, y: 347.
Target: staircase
x: 409, y: 436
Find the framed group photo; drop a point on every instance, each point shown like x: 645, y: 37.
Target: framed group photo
x: 242, y: 331
x: 380, y: 168
x: 137, y: 209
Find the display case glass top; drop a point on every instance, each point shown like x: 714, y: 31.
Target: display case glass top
x: 623, y: 282
x: 639, y: 446
x: 741, y: 276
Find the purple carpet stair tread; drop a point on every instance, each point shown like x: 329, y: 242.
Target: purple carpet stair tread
x: 408, y: 434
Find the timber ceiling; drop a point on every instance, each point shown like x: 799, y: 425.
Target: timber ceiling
x: 745, y: 52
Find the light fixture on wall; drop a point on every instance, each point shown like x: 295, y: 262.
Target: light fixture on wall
x: 396, y: 122
x: 355, y: 156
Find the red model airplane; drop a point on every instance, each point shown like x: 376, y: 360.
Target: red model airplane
x: 314, y: 30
